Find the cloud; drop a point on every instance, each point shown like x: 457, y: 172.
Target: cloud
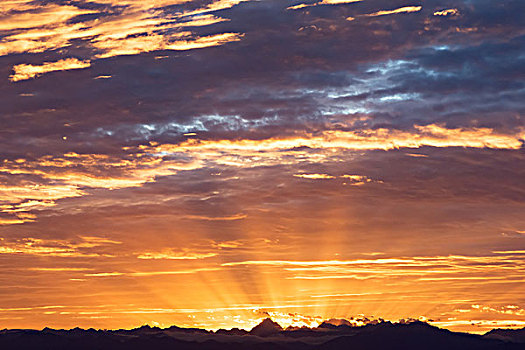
x: 355, y: 180
x: 447, y: 12
x: 112, y: 30
x: 406, y: 9
x: 58, y: 269
x: 229, y: 151
x: 505, y: 310
x: 182, y: 41
x: 28, y: 71
x: 509, y: 252
x: 315, y: 176
x: 229, y: 244
x: 150, y: 273
x: 216, y: 218
x: 12, y: 221
x: 72, y: 174
x: 425, y: 268
x: 514, y: 234
x: 65, y: 181
x: 171, y: 255
x: 56, y: 248
x: 36, y: 16
x: 323, y: 2
x: 483, y: 324
x: 337, y: 2
x: 40, y: 193
x: 359, y: 180
x: 104, y: 274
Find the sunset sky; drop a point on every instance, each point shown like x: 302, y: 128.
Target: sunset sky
x: 209, y: 163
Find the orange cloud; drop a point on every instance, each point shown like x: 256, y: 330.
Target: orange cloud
x: 355, y: 180
x: 207, y: 41
x: 315, y: 176
x: 72, y: 174
x: 40, y: 194
x: 11, y: 221
x: 337, y: 2
x: 447, y: 12
x: 170, y: 255
x: 358, y: 180
x: 57, y: 248
x: 58, y: 269
x: 215, y: 6
x: 68, y: 181
x: 429, y: 135
x: 151, y: 273
x: 202, y: 20
x: 28, y: 71
x: 406, y: 9
x: 43, y: 16
x: 431, y: 269
x: 216, y: 218
x: 323, y: 2
x: 140, y: 27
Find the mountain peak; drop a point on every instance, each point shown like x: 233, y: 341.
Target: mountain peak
x: 335, y: 322
x: 266, y: 328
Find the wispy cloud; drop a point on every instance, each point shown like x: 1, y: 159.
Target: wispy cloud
x: 447, y: 12
x: 28, y: 71
x: 73, y: 172
x: 406, y: 9
x: 315, y: 176
x: 171, y: 255
x: 151, y: 273
x: 133, y: 29
x: 58, y: 248
x: 323, y: 2
x: 438, y: 268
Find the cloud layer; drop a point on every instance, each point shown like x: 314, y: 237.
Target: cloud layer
x: 193, y: 162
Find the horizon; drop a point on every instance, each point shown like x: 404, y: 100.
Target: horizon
x: 333, y: 334
x: 290, y: 327
x: 210, y: 163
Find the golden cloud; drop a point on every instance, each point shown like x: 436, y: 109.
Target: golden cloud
x: 279, y: 150
x: 57, y: 248
x: 140, y: 27
x: 406, y: 9
x: 447, y: 12
x: 28, y: 71
x: 171, y: 255
x: 216, y: 218
x: 72, y: 174
x: 431, y: 269
x: 151, y: 273
x: 12, y: 221
x: 315, y: 176
x: 355, y: 180
x: 337, y: 2
x: 40, y: 194
x: 323, y: 2
x: 67, y: 183
x: 36, y: 16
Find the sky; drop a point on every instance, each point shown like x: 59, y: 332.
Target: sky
x: 209, y: 163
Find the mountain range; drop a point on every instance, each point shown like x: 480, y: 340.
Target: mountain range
x: 267, y: 335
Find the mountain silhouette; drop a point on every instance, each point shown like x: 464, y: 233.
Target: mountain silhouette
x: 266, y: 327
x: 508, y: 335
x: 268, y: 335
